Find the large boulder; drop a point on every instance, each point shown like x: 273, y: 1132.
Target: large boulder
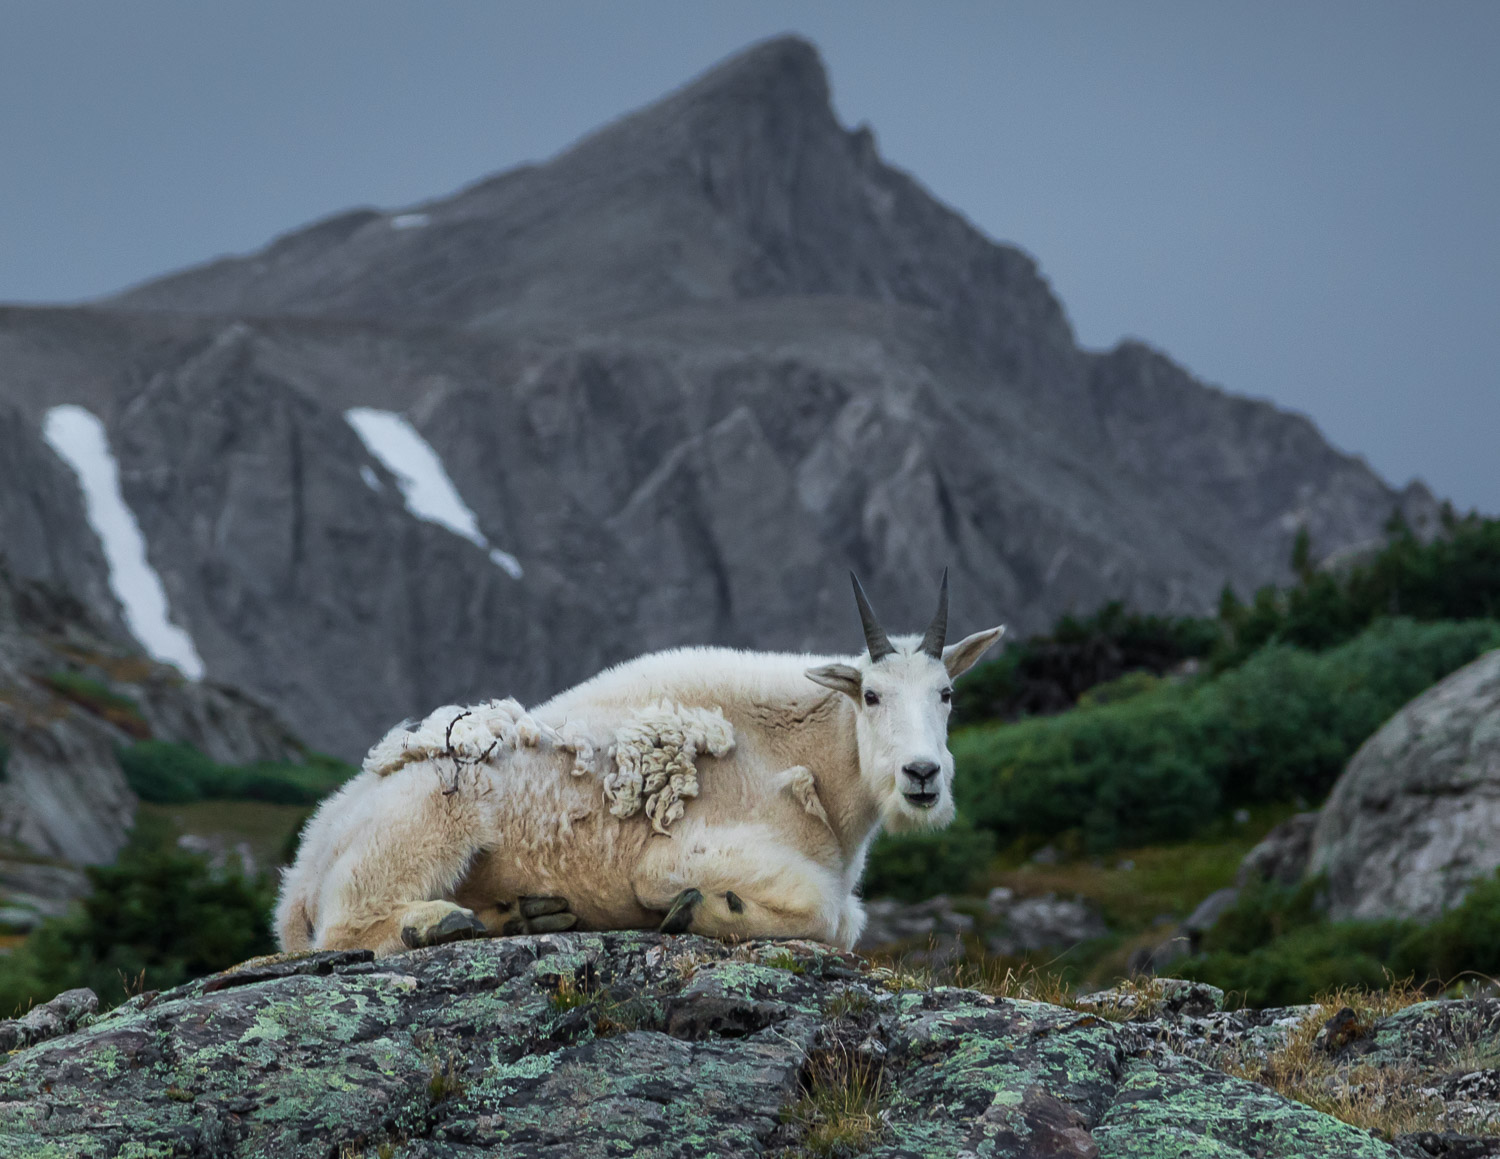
x: 1415, y: 819
x: 639, y: 1044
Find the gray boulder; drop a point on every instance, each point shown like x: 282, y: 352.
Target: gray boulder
x: 1040, y: 923
x: 1415, y: 819
x: 638, y: 1044
x: 930, y: 932
x: 1281, y: 856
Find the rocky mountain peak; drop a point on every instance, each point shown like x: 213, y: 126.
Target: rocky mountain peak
x: 781, y: 77
x: 677, y: 380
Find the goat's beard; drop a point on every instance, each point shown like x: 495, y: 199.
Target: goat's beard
x: 898, y: 815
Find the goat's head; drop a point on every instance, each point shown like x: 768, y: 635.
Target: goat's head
x: 902, y: 692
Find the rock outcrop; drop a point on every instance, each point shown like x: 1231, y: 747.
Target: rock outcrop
x: 594, y: 1045
x: 1415, y: 819
x: 72, y: 692
x: 687, y: 372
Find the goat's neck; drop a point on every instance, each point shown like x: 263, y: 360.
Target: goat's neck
x: 831, y: 750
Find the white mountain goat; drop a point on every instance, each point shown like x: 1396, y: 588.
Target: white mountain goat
x: 762, y: 779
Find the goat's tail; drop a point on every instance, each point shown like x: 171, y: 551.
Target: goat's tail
x: 294, y: 925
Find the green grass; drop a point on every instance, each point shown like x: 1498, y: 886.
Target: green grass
x: 269, y: 830
x: 1163, y: 880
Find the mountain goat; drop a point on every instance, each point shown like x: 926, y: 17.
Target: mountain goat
x: 494, y: 819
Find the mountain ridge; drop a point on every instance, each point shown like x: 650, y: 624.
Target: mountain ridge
x: 687, y: 372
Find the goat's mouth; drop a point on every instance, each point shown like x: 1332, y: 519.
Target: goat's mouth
x: 921, y: 800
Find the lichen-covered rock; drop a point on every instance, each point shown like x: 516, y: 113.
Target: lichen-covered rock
x: 1179, y: 1107
x: 61, y: 1015
x: 1415, y: 818
x: 643, y: 1044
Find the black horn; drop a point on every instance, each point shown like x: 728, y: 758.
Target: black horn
x: 937, y: 631
x: 875, y: 638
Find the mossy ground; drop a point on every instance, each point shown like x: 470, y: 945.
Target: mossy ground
x: 268, y: 829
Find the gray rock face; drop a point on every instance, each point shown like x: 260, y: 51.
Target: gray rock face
x: 688, y: 372
x: 1282, y: 855
x: 62, y: 794
x: 41, y: 517
x: 594, y: 1045
x: 930, y: 932
x: 1039, y: 923
x: 1415, y: 819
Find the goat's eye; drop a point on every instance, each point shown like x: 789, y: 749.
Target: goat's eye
x: 946, y: 696
x: 871, y: 697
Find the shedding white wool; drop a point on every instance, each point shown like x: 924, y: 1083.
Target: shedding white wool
x: 655, y: 754
x: 470, y: 735
x: 800, y: 783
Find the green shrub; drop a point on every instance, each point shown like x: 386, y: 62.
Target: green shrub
x: 175, y: 774
x: 157, y: 917
x: 166, y: 773
x: 1455, y: 577
x: 1465, y: 939
x: 1306, y: 962
x: 1047, y: 674
x: 1159, y: 765
x: 914, y: 866
x: 1274, y: 948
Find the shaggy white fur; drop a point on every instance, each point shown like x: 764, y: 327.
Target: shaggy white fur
x: 654, y: 753
x: 753, y: 780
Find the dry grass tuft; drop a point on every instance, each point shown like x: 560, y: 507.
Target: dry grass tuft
x: 847, y: 1003
x: 839, y: 1111
x: 611, y: 1013
x: 1390, y: 1100
x: 686, y: 964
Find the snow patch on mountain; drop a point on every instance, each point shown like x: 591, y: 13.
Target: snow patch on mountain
x: 80, y: 440
x: 423, y: 481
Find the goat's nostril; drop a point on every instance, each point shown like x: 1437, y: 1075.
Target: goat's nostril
x: 921, y: 771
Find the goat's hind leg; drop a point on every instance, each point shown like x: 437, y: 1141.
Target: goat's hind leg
x: 407, y: 846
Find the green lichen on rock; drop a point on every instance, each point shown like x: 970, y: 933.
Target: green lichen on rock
x: 664, y: 1047
x: 1178, y: 1107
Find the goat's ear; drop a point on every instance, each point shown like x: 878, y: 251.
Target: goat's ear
x: 959, y: 658
x: 839, y: 677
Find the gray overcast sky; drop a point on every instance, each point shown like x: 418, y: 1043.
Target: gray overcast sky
x: 1297, y: 201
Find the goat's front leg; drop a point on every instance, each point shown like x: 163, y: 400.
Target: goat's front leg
x: 739, y: 881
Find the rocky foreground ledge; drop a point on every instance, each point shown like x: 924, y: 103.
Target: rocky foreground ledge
x: 639, y: 1044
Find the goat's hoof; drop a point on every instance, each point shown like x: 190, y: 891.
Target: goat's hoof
x: 454, y: 926
x: 537, y: 907
x: 553, y: 923
x: 680, y: 916
x: 540, y: 915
